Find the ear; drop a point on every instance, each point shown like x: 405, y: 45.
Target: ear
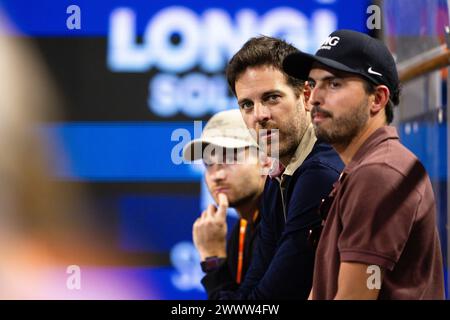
x: 306, y: 95
x: 380, y: 99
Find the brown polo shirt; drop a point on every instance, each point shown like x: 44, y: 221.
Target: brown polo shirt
x: 383, y: 213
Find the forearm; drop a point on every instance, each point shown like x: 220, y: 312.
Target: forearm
x: 353, y: 282
x: 288, y: 276
x: 263, y: 251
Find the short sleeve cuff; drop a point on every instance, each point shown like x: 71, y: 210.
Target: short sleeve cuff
x: 365, y: 257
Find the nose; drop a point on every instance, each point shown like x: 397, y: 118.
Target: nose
x: 261, y: 113
x: 315, y: 98
x: 219, y: 173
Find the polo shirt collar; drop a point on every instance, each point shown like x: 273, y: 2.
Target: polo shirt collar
x: 377, y: 137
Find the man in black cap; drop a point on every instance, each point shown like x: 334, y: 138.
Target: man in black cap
x: 380, y: 239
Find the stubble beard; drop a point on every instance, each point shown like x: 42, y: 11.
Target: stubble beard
x: 345, y: 128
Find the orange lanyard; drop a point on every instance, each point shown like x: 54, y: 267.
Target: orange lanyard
x: 242, y: 230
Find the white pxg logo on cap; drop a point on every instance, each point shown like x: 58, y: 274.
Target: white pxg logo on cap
x: 330, y: 42
x: 349, y: 51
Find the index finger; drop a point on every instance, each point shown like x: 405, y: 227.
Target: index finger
x: 223, y: 206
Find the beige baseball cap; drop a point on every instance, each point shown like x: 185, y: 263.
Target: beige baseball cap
x: 225, y: 129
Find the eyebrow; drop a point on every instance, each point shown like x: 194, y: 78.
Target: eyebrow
x: 268, y: 93
x: 243, y: 100
x: 265, y: 94
x: 326, y: 78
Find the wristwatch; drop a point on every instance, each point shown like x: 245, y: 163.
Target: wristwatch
x: 211, y: 263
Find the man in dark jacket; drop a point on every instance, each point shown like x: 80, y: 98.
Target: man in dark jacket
x: 273, y: 104
x: 235, y: 175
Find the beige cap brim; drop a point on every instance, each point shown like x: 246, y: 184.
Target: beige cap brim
x: 194, y: 149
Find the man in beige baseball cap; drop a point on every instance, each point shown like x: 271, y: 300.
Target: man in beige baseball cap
x: 235, y: 181
x: 225, y: 130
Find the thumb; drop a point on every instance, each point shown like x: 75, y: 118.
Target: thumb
x: 223, y: 206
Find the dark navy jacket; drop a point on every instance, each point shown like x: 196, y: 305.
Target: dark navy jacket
x: 283, y: 263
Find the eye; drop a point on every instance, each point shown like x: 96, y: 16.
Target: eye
x: 311, y: 84
x: 334, y: 84
x: 246, y: 105
x: 273, y: 98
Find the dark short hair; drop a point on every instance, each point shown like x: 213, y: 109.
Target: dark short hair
x: 394, y: 99
x: 260, y: 51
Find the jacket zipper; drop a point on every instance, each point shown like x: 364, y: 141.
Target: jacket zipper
x: 282, y: 199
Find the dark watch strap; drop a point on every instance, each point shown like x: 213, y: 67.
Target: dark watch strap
x: 211, y: 263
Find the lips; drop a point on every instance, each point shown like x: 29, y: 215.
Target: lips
x: 221, y: 190
x: 318, y: 117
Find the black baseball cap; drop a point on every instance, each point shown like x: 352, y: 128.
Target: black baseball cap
x: 349, y: 51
